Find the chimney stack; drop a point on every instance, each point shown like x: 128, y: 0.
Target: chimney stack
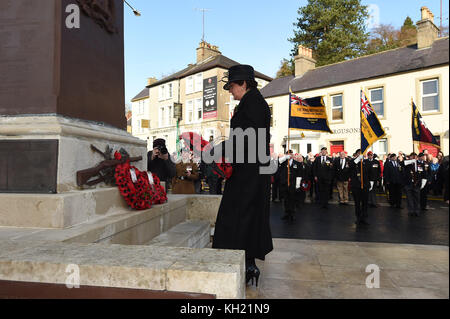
x: 150, y: 81
x: 427, y: 31
x: 206, y: 50
x: 304, y: 61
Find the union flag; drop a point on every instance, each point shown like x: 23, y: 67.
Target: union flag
x: 371, y: 129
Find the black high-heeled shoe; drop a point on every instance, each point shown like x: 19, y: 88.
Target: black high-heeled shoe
x: 251, y: 273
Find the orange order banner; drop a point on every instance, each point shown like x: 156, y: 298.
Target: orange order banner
x: 317, y: 112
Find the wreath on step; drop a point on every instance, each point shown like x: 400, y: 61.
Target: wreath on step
x: 136, y: 187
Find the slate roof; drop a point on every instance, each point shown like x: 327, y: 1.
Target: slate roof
x: 366, y: 67
x: 143, y: 94
x: 210, y: 63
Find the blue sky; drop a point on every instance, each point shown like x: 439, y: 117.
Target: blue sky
x: 163, y: 40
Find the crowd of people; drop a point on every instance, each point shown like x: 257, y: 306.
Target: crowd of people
x: 183, y: 173
x: 316, y: 176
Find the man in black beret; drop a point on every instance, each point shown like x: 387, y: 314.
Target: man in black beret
x: 159, y: 162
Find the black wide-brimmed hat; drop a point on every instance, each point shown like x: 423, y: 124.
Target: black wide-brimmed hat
x: 240, y: 72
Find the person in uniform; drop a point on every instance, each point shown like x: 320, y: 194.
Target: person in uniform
x: 414, y: 178
x: 393, y: 180
x: 293, y: 174
x: 374, y: 177
x: 303, y: 174
x: 310, y: 175
x: 323, y: 175
x: 276, y: 197
x: 186, y: 175
x: 425, y: 170
x: 360, y: 194
x: 243, y: 219
x: 342, y: 175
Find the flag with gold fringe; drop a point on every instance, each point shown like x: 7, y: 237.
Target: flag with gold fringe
x: 371, y: 129
x: 308, y: 114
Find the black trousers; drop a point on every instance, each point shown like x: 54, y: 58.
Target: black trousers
x: 413, y: 199
x: 395, y: 192
x: 373, y: 195
x: 324, y: 192
x: 290, y: 200
x: 424, y: 197
x: 275, y: 190
x: 361, y: 198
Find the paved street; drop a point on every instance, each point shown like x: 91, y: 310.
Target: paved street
x: 387, y: 225
x: 315, y: 269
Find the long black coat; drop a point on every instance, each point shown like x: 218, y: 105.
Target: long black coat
x: 243, y: 218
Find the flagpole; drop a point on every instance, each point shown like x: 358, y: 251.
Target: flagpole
x: 412, y: 119
x: 360, y: 129
x: 289, y: 140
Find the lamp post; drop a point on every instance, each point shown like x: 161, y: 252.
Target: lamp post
x: 136, y: 13
x: 178, y: 114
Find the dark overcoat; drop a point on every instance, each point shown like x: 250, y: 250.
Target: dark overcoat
x: 243, y: 220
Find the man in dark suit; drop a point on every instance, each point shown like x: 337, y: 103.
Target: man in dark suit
x: 374, y: 177
x: 415, y: 177
x: 276, y: 183
x: 360, y: 194
x: 289, y: 192
x: 342, y: 175
x: 393, y: 180
x: 323, y: 175
x: 425, y: 170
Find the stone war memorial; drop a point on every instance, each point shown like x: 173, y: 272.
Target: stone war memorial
x: 61, y: 96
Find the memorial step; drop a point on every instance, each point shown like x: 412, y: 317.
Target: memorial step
x: 191, y: 233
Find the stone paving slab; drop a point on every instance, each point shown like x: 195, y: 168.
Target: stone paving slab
x: 317, y: 269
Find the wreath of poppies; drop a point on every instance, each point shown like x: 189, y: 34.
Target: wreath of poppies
x: 305, y: 186
x: 139, y: 194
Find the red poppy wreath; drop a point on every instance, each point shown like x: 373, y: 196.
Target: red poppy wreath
x: 135, y: 187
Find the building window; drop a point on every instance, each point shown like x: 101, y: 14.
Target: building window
x: 198, y: 110
x: 199, y: 82
x: 337, y: 108
x: 376, y: 99
x: 161, y: 93
x: 190, y: 85
x: 162, y: 116
x: 170, y: 91
x: 430, y: 95
x: 189, y: 111
x: 169, y: 115
x: 380, y: 148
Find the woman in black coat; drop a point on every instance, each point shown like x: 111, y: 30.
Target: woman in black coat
x: 243, y: 218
